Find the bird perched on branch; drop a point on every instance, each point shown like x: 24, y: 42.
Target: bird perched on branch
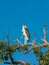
x: 26, y: 34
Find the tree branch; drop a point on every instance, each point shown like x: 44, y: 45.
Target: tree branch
x: 18, y: 62
x: 46, y: 44
x: 11, y: 58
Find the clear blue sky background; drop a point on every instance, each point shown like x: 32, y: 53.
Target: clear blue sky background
x: 15, y: 13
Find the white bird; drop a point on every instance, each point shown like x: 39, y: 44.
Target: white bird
x: 26, y: 33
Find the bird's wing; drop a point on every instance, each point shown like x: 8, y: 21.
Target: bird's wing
x: 27, y: 33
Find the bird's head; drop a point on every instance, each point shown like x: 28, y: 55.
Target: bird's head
x: 24, y: 26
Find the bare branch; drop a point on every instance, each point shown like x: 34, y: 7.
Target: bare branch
x: 34, y: 40
x: 19, y: 42
x: 44, y: 31
x: 27, y: 51
x: 43, y: 40
x: 34, y: 46
x: 18, y: 62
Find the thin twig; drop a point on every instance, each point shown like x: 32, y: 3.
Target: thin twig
x: 18, y: 62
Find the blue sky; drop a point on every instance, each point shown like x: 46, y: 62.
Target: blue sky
x: 15, y: 13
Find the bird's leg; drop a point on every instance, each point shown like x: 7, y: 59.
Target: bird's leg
x: 25, y: 41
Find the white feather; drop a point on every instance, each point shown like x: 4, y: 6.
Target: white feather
x: 24, y: 33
